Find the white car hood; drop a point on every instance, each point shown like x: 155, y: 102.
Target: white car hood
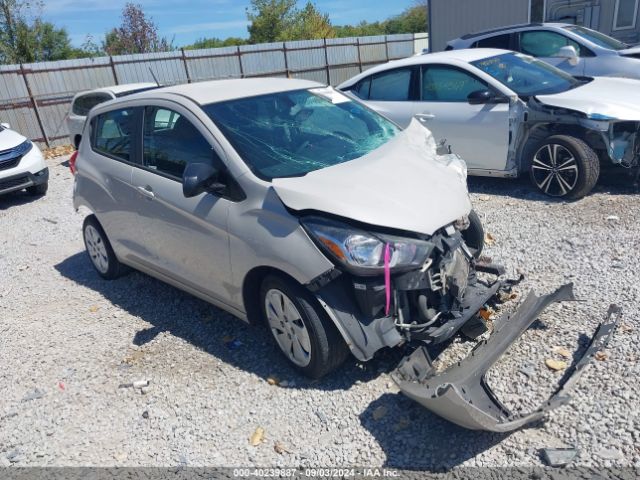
x: 402, y: 185
x: 635, y: 50
x: 611, y: 97
x: 10, y: 139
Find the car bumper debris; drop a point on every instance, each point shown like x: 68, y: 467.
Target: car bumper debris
x: 461, y: 393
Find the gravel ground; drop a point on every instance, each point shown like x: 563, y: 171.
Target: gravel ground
x: 71, y: 342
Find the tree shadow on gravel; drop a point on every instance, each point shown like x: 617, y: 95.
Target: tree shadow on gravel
x: 413, y: 438
x: 16, y: 199
x: 210, y: 329
x: 614, y: 181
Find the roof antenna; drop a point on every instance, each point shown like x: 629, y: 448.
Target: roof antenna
x: 154, y: 76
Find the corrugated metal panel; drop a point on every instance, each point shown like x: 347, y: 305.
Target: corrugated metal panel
x: 450, y: 19
x: 54, y: 83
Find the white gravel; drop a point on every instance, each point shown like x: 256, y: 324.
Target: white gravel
x: 71, y: 344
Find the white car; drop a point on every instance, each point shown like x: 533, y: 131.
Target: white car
x: 22, y: 165
x: 83, y: 102
x: 507, y: 114
x: 575, y: 49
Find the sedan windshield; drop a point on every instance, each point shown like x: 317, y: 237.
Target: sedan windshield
x: 525, y: 75
x: 598, y: 38
x: 290, y: 134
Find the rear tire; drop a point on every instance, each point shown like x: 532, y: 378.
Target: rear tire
x: 38, y: 190
x: 99, y: 249
x: 302, y: 330
x: 563, y: 166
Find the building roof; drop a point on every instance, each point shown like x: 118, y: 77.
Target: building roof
x: 213, y: 91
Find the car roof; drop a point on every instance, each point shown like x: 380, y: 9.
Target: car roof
x: 509, y: 28
x: 124, y: 88
x: 466, y: 55
x: 213, y: 91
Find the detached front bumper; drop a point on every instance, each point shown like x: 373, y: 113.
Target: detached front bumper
x: 461, y: 394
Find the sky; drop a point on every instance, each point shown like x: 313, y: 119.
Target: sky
x: 186, y: 21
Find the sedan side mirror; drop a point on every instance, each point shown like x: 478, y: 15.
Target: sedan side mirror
x: 481, y: 97
x: 570, y: 53
x: 199, y: 178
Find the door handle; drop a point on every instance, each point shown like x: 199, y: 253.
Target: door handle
x: 147, y: 192
x: 423, y: 117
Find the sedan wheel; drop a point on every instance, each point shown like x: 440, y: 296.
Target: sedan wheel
x: 555, y: 170
x: 564, y: 166
x: 288, y: 328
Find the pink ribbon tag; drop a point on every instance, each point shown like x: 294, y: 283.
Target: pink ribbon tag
x: 387, y: 276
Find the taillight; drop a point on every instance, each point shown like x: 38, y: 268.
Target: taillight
x: 72, y: 162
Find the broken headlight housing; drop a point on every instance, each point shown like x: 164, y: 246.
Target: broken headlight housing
x: 362, y: 252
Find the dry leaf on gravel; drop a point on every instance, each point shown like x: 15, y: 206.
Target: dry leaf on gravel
x: 273, y: 380
x: 486, y: 314
x: 280, y: 448
x: 563, y: 352
x: 555, y: 365
x: 58, y: 151
x: 258, y: 437
x: 626, y: 328
x: 489, y: 239
x: 93, y: 309
x: 601, y: 356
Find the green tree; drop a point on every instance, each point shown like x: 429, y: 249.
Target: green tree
x: 309, y: 24
x: 270, y: 19
x: 215, y: 42
x: 136, y: 34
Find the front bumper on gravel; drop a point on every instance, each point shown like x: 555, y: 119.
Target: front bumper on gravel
x: 461, y: 394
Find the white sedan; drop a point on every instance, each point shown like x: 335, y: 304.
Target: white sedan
x: 507, y: 114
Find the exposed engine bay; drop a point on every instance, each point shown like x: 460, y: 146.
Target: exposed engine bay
x: 426, y: 306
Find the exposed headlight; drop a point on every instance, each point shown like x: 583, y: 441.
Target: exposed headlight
x: 362, y: 252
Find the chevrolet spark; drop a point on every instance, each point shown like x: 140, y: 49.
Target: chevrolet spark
x: 285, y: 202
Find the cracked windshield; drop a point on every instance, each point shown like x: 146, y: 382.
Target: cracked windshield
x: 293, y: 133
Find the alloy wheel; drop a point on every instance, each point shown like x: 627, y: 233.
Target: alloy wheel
x: 96, y: 248
x: 288, y: 328
x: 555, y: 170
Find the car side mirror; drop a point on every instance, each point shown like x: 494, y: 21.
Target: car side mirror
x: 568, y: 52
x: 5, y: 125
x: 199, y: 178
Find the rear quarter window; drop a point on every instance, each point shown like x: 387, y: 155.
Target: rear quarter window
x: 84, y: 103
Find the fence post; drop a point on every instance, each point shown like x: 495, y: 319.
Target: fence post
x: 359, y: 57
x: 286, y: 61
x: 35, y: 106
x: 386, y: 46
x: 326, y: 61
x: 113, y: 70
x: 186, y: 67
x: 239, y: 53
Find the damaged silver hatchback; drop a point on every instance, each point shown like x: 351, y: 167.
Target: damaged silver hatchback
x: 285, y: 202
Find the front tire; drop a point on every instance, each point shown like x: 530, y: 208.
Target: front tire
x: 99, y: 248
x: 474, y: 235
x: 563, y: 166
x: 302, y: 330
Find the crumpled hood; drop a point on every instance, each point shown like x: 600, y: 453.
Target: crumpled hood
x: 635, y: 50
x: 10, y: 139
x: 612, y: 97
x: 403, y: 185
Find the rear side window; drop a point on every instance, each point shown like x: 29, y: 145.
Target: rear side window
x: 114, y: 132
x: 85, y: 103
x: 498, y: 41
x: 441, y: 83
x: 171, y: 142
x: 362, y: 88
x: 393, y: 86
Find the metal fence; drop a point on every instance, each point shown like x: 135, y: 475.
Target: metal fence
x: 35, y: 98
